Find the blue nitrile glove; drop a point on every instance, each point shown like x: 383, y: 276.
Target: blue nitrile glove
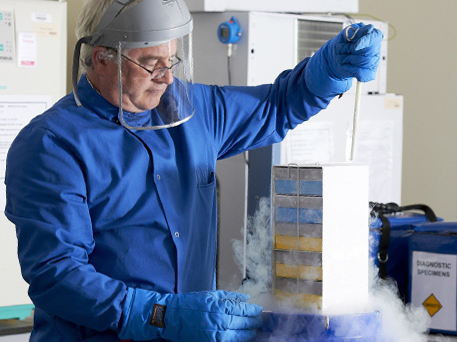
x: 197, y: 316
x: 330, y: 71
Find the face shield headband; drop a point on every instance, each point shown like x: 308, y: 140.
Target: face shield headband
x: 148, y: 24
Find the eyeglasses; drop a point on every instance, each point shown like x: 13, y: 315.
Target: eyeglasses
x: 158, y: 72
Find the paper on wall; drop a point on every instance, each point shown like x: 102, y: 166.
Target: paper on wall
x: 27, y: 50
x: 308, y: 143
x: 16, y: 111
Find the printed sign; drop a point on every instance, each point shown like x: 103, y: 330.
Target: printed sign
x: 434, y: 287
x: 27, y: 50
x: 41, y: 17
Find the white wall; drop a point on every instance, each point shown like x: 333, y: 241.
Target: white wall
x: 422, y: 66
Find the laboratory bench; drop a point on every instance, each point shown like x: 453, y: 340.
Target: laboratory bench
x: 15, y: 330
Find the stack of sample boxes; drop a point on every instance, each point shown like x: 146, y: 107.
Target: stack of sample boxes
x: 320, y: 235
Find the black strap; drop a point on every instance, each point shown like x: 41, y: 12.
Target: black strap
x: 75, y: 71
x: 429, y: 214
x: 380, y: 210
x: 383, y: 245
x: 392, y: 208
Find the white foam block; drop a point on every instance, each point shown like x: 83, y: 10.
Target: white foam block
x: 345, y: 258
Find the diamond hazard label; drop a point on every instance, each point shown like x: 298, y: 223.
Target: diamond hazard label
x: 432, y: 305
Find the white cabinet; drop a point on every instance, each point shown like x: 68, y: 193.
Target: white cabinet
x: 348, y: 6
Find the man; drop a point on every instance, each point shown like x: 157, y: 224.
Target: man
x: 112, y: 190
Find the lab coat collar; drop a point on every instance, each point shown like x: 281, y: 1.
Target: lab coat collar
x: 94, y: 101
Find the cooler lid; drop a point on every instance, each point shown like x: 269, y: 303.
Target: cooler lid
x: 437, y: 228
x: 401, y: 220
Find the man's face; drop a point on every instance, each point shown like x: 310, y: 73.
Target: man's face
x: 140, y: 92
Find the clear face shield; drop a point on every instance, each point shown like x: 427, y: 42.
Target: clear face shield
x: 152, y: 40
x: 158, y: 81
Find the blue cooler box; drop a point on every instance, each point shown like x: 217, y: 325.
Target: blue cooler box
x: 433, y: 273
x: 396, y: 261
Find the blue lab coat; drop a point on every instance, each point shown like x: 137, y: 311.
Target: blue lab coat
x: 99, y: 208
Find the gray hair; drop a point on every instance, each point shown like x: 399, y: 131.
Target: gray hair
x: 88, y: 20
